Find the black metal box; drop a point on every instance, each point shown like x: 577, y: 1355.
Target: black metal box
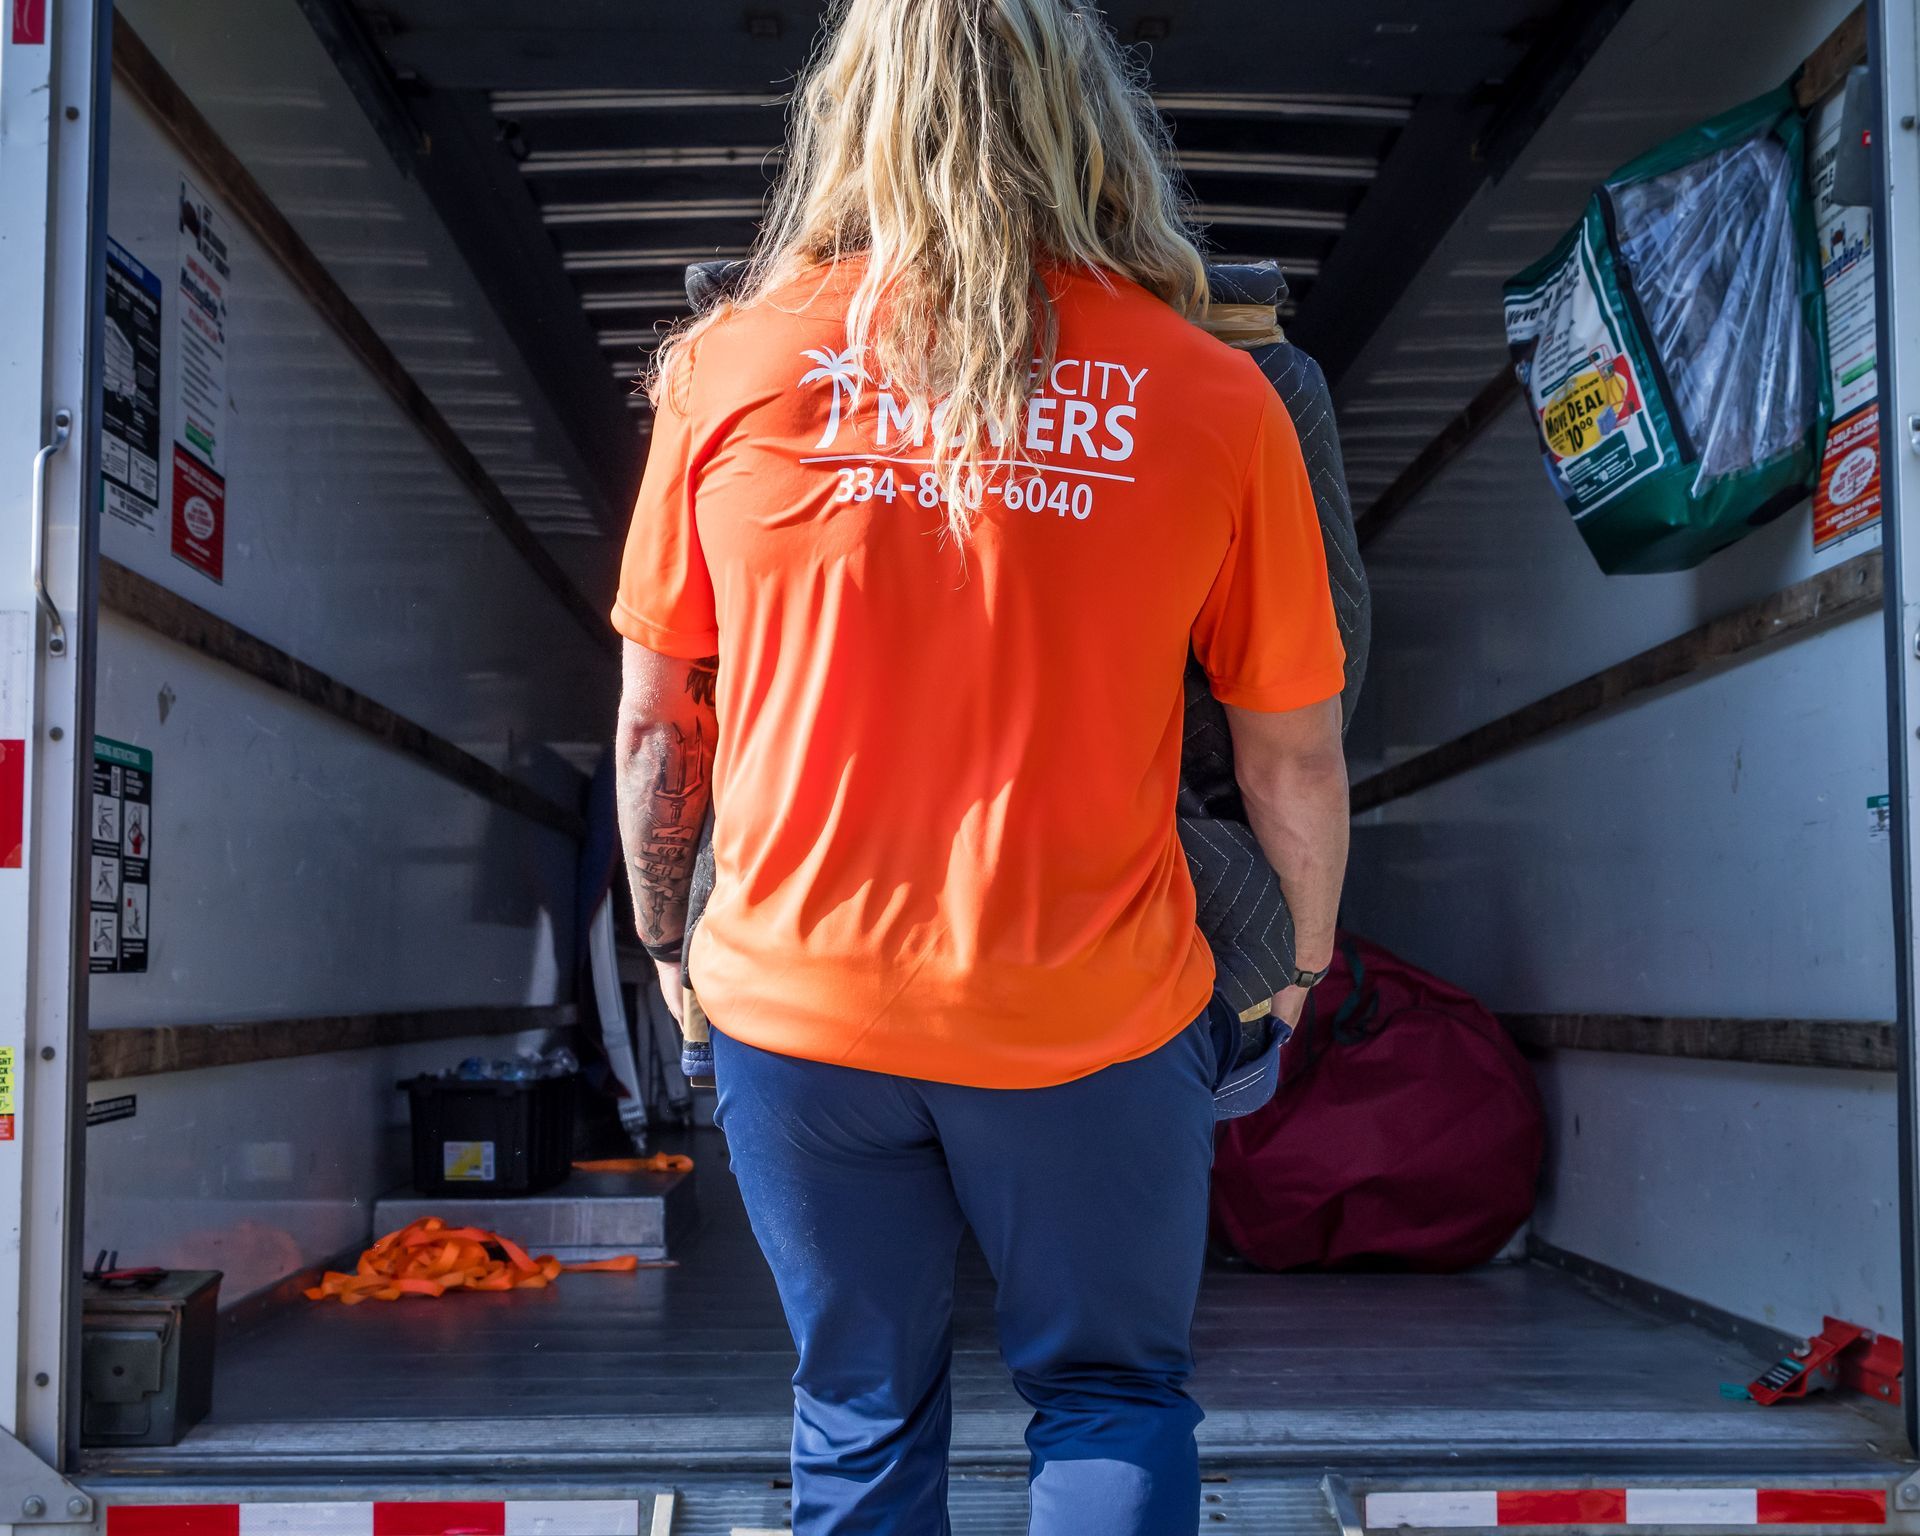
x: 146, y: 1358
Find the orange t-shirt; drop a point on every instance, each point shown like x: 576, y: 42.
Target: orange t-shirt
x: 944, y: 840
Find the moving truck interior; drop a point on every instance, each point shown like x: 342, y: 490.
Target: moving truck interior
x: 357, y: 647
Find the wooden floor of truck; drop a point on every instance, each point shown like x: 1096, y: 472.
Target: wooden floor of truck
x: 687, y: 1367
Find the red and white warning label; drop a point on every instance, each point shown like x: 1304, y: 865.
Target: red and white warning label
x: 199, y: 515
x: 16, y: 640
x: 29, y: 21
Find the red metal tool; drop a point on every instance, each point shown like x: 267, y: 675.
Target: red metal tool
x: 1841, y: 1354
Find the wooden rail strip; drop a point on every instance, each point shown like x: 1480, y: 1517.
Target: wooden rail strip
x: 140, y: 1050
x: 1825, y: 69
x: 175, y: 618
x: 1447, y: 444
x: 223, y: 173
x: 1846, y: 1043
x: 1834, y: 594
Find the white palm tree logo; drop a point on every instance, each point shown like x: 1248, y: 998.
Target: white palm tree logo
x: 843, y: 371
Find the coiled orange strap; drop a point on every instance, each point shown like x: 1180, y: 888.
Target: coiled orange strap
x: 429, y: 1258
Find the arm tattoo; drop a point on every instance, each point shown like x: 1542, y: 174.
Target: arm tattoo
x: 674, y: 804
x: 663, y: 791
x: 700, y: 679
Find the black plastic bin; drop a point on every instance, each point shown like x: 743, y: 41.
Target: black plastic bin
x: 490, y: 1138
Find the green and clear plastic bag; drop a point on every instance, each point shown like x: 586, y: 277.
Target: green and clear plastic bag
x: 1671, y: 347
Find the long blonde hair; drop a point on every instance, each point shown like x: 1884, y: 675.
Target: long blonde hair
x: 957, y: 145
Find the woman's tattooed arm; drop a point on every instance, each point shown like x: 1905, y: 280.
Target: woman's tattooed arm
x: 663, y: 757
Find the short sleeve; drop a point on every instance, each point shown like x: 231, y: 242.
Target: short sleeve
x: 1266, y: 635
x: 666, y: 593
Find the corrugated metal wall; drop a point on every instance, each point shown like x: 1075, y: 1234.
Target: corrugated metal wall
x: 1704, y: 851
x: 300, y: 866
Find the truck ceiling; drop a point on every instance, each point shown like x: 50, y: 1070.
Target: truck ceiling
x: 583, y: 151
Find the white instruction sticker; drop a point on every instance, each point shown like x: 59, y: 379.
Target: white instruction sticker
x: 201, y: 394
x: 467, y: 1160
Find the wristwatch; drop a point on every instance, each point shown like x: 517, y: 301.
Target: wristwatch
x: 1308, y: 980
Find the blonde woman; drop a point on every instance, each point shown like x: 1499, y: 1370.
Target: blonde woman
x: 934, y: 513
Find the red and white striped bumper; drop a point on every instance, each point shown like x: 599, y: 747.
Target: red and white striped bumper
x: 1485, y: 1508
x: 1441, y: 1509
x: 487, y: 1517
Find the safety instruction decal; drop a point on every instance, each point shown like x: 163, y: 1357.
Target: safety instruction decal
x: 1846, y: 498
x: 130, y: 403
x: 1879, y: 817
x: 120, y: 862
x: 16, y: 637
x: 7, y: 1110
x: 200, y: 417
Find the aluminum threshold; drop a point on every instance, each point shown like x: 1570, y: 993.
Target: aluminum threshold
x: 1733, y: 1443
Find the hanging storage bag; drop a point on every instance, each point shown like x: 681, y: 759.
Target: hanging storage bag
x: 1671, y: 347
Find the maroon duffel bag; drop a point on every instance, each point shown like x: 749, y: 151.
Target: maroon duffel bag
x: 1407, y: 1131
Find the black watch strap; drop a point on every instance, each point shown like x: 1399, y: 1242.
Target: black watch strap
x: 1309, y: 979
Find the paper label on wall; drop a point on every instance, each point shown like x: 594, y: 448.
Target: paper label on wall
x: 467, y: 1160
x: 1581, y: 387
x: 17, y: 631
x: 202, y: 416
x: 120, y: 862
x: 199, y: 515
x: 199, y: 523
x: 7, y: 1110
x: 130, y: 400
x: 1847, y: 496
x: 1879, y: 817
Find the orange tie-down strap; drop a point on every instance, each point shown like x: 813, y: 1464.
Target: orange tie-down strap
x: 660, y: 1162
x: 429, y: 1258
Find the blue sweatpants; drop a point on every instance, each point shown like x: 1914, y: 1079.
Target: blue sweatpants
x: 1090, y: 1201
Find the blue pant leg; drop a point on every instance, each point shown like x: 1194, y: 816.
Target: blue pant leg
x: 850, y: 1199
x: 1090, y: 1201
